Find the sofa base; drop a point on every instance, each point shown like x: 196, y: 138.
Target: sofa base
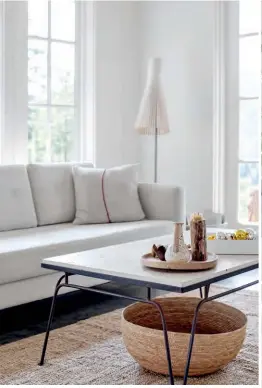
x: 41, y: 287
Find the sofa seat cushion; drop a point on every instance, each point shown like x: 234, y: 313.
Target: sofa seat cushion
x: 21, y: 252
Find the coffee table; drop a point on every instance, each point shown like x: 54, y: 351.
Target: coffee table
x: 121, y: 263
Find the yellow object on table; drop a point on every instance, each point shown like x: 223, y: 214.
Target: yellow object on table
x: 196, y: 217
x: 241, y: 234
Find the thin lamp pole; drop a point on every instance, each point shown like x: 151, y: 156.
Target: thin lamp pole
x: 156, y: 154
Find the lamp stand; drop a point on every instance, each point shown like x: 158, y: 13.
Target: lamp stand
x: 156, y: 139
x: 155, y: 172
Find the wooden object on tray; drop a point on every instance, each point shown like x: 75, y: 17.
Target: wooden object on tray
x: 198, y: 238
x: 220, y: 333
x: 179, y: 265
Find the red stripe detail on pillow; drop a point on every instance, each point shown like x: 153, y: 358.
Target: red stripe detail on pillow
x: 104, y: 198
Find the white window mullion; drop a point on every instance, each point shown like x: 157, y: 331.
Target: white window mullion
x: 49, y: 77
x: 248, y: 35
x: 248, y: 161
x: 35, y: 37
x: 43, y: 105
x: 248, y: 98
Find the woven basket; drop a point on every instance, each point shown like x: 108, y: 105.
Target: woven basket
x: 219, y: 335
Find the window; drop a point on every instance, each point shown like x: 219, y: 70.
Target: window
x: 47, y: 81
x: 51, y: 81
x: 249, y: 111
x: 241, y: 86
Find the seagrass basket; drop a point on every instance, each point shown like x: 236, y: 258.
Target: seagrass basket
x: 219, y: 335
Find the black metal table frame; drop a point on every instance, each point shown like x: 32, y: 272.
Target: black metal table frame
x: 154, y: 303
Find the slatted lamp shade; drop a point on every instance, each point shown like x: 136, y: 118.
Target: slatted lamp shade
x: 152, y: 116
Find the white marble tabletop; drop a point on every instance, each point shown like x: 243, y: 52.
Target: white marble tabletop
x: 123, y: 263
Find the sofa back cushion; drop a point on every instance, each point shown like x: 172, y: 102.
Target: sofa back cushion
x: 16, y: 204
x: 53, y: 191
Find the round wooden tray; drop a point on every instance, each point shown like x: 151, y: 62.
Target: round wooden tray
x: 149, y: 261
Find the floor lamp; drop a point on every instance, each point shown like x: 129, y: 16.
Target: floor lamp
x: 152, y: 116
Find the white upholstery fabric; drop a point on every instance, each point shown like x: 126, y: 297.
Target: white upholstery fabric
x: 16, y: 203
x: 53, y: 192
x: 26, y: 290
x: 21, y: 252
x: 162, y: 202
x: 98, y: 191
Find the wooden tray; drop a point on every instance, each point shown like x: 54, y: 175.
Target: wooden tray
x: 149, y: 261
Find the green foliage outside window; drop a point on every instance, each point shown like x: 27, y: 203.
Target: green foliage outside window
x: 50, y: 128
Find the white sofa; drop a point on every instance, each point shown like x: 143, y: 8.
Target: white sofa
x: 36, y: 212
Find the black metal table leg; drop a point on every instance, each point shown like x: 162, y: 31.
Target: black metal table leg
x: 191, y: 342
x: 51, y: 316
x: 168, y: 355
x: 206, y: 292
x: 193, y: 329
x: 201, y: 293
x: 152, y: 302
x: 100, y: 291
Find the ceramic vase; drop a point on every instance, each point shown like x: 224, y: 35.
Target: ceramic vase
x: 179, y: 245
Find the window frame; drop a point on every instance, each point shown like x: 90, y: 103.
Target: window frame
x: 243, y: 98
x: 226, y: 138
x: 14, y: 95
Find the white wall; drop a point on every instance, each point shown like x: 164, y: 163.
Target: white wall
x: 181, y: 33
x: 117, y: 82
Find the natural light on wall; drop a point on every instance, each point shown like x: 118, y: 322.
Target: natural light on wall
x: 51, y: 80
x: 249, y: 110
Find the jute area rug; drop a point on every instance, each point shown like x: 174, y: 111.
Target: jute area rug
x: 91, y: 352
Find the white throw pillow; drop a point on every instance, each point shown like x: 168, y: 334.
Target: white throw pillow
x: 53, y: 191
x: 109, y: 195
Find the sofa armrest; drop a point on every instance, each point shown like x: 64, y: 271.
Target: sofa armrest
x: 162, y: 202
